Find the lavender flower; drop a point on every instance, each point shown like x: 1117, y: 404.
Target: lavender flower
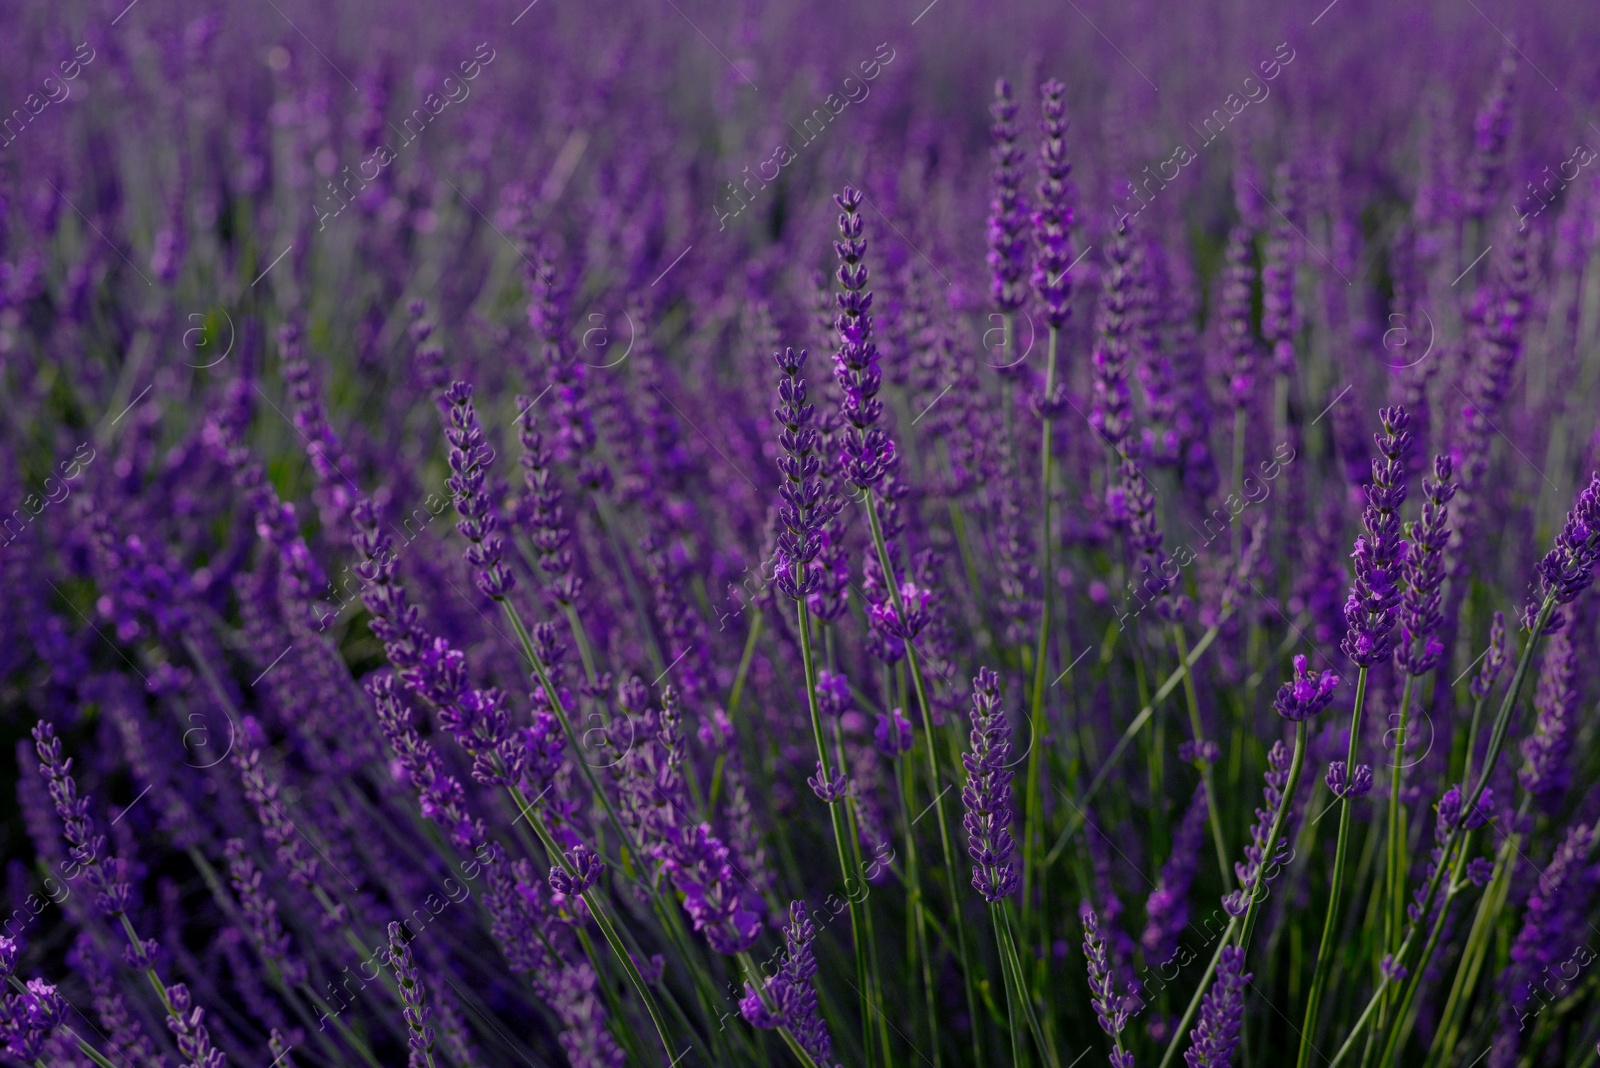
x: 1110, y: 1008
x: 804, y: 508
x: 1423, y: 571
x: 791, y: 991
x: 469, y: 464
x: 1568, y: 568
x: 1008, y: 212
x: 1494, y: 658
x: 1552, y: 924
x: 1052, y: 220
x: 869, y: 453
x: 1221, y: 1014
x: 1545, y: 771
x: 1109, y: 416
x: 414, y: 1005
x: 1342, y: 784
x: 1306, y: 694
x: 1234, y: 312
x: 1379, y: 553
x: 987, y: 795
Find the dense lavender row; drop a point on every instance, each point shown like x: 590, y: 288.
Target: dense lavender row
x: 730, y: 535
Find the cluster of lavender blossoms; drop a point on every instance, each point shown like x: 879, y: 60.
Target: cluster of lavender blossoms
x: 543, y: 536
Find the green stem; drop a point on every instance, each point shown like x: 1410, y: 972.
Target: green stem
x: 1033, y: 806
x: 1491, y: 758
x: 913, y: 658
x: 1394, y: 913
x: 1319, y: 977
x: 840, y: 832
x: 1206, y: 778
x: 921, y: 958
x: 1245, y: 924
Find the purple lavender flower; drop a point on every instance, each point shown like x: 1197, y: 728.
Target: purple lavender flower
x: 1491, y: 129
x: 414, y: 1005
x: 1568, y: 568
x: 1280, y: 320
x: 1423, y: 571
x: 469, y: 466
x: 1221, y: 1014
x: 1546, y: 772
x: 1052, y: 220
x: 28, y: 1018
x: 869, y: 452
x: 188, y: 1029
x: 1553, y: 923
x: 987, y: 795
x: 1110, y: 1008
x: 1343, y: 785
x: 539, y: 511
x: 1306, y: 694
x: 1234, y: 313
x: 1008, y: 211
x: 892, y: 735
x: 1494, y: 658
x: 1379, y: 553
x: 1110, y: 414
x: 792, y: 992
x: 805, y: 507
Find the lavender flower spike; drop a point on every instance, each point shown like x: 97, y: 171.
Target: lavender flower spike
x: 1568, y: 568
x: 1008, y: 212
x: 869, y: 452
x: 987, y: 795
x: 469, y: 466
x: 1379, y: 552
x: 1221, y: 1014
x: 805, y: 508
x: 415, y: 1007
x: 1111, y: 1009
x: 1420, y: 618
x: 1052, y: 221
x: 791, y: 991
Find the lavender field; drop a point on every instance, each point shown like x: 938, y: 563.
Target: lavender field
x: 714, y: 533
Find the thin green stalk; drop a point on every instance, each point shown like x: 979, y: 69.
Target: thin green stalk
x: 840, y: 833
x: 913, y: 658
x: 602, y: 918
x: 1245, y: 924
x: 1396, y: 866
x: 1477, y: 944
x: 1013, y: 994
x: 1319, y: 977
x: 84, y: 1047
x: 1400, y: 1029
x: 1013, y: 961
x: 744, y: 664
x: 921, y: 959
x: 1206, y: 778
x: 1491, y: 758
x: 1033, y: 802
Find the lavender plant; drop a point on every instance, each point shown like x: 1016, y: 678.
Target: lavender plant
x: 568, y: 535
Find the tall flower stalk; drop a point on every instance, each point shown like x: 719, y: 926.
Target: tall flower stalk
x: 1052, y: 226
x: 1370, y: 614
